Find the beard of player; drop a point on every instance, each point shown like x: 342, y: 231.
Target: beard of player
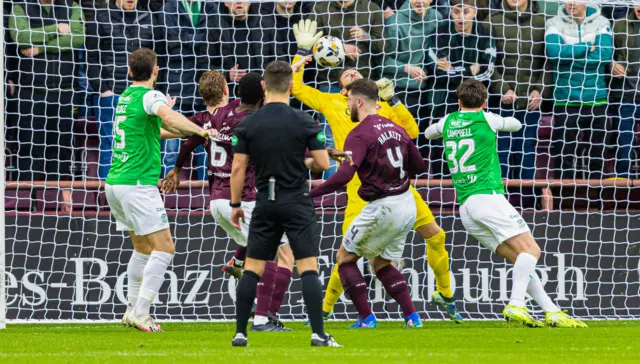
x: 355, y: 116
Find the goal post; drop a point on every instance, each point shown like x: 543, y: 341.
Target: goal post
x: 62, y: 264
x: 3, y: 293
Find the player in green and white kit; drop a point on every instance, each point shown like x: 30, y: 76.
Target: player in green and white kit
x: 131, y: 185
x: 470, y: 147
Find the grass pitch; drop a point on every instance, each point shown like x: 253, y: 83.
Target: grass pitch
x: 438, y: 342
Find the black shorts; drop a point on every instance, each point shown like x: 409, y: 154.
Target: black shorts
x: 292, y: 213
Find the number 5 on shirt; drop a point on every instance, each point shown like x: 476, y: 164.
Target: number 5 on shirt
x: 118, y: 133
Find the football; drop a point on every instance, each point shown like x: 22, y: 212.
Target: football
x: 329, y: 52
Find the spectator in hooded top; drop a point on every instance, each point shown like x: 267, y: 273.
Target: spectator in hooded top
x: 244, y: 40
x: 408, y: 32
x: 360, y: 25
x: 285, y: 14
x: 625, y: 87
x: 48, y: 34
x: 518, y: 80
x: 579, y: 45
x: 461, y: 49
x: 185, y: 52
x: 119, y: 29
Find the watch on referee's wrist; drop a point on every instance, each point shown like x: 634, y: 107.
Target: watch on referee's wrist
x: 234, y: 205
x: 393, y: 101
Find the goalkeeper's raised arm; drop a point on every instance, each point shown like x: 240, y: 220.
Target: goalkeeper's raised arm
x: 334, y: 106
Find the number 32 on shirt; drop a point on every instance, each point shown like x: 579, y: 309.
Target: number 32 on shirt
x: 460, y: 165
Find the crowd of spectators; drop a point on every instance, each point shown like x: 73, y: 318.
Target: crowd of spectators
x: 578, y: 63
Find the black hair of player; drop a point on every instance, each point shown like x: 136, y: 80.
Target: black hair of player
x: 278, y: 77
x: 364, y: 87
x: 342, y: 71
x: 472, y: 94
x: 455, y: 3
x: 250, y: 89
x: 142, y: 61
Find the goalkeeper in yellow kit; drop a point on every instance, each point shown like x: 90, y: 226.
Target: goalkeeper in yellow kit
x: 335, y: 110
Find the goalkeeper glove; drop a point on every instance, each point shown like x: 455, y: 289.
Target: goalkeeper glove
x: 304, y: 32
x: 386, y: 91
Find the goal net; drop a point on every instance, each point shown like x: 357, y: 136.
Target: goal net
x: 572, y: 171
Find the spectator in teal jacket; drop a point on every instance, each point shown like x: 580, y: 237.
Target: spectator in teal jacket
x: 408, y: 32
x: 579, y: 44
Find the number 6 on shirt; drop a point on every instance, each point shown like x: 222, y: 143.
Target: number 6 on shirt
x: 218, y: 155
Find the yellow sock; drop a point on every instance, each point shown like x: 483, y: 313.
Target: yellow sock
x: 333, y: 292
x: 438, y: 260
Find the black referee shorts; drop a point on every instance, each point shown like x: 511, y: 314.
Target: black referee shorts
x: 292, y: 213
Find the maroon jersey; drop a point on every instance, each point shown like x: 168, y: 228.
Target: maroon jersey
x: 219, y: 150
x: 384, y: 157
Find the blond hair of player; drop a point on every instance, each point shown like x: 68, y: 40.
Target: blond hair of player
x: 335, y: 110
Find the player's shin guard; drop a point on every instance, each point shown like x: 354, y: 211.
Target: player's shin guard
x: 523, y: 268
x: 395, y: 284
x: 245, y: 294
x: 135, y: 272
x: 283, y: 278
x: 334, y: 290
x: 265, y: 289
x: 438, y: 260
x: 152, y: 279
x: 356, y: 288
x: 312, y: 295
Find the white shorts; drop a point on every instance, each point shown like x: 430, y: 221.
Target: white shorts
x: 221, y: 212
x: 491, y: 219
x: 137, y: 208
x: 382, y: 227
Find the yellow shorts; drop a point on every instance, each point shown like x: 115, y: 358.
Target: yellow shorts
x: 424, y: 216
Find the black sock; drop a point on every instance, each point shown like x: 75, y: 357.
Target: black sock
x: 312, y: 295
x: 245, y: 294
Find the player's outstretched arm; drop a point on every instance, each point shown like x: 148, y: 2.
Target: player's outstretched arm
x: 170, y: 134
x: 400, y: 115
x: 498, y: 123
x: 174, y: 121
x: 434, y: 131
x: 172, y: 180
x: 306, y: 37
x: 339, y: 179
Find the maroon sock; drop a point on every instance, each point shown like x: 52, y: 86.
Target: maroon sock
x: 241, y: 253
x: 395, y: 284
x: 283, y: 278
x: 265, y: 289
x: 355, y: 286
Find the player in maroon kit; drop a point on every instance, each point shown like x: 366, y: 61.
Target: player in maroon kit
x: 384, y: 157
x: 276, y: 278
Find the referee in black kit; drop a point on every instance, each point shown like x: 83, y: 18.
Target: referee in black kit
x: 275, y: 139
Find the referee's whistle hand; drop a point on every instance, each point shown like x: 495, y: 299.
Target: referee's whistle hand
x: 237, y: 214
